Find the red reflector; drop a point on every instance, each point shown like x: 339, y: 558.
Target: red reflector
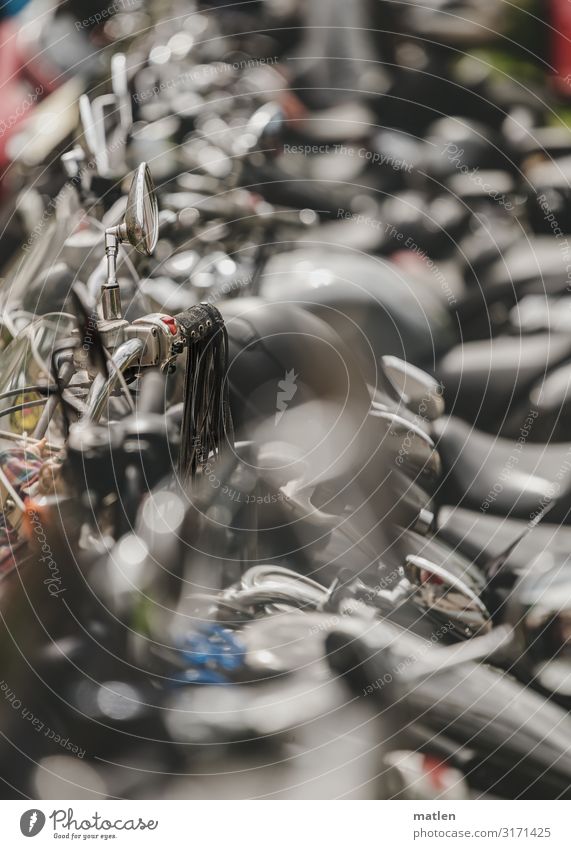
x: 428, y: 577
x: 170, y: 323
x: 436, y: 770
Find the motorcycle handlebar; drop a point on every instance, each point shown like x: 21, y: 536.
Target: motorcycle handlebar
x: 152, y: 395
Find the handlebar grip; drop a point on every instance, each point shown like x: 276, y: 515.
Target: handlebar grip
x: 152, y: 395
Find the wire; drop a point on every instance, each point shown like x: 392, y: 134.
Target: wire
x: 17, y: 407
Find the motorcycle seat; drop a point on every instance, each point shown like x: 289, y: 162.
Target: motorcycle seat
x: 483, y: 538
x: 484, y: 379
x: 338, y: 124
x: 510, y: 478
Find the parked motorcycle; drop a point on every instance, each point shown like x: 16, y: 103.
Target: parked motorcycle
x: 283, y: 448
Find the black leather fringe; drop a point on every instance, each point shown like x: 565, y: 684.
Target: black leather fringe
x: 206, y: 421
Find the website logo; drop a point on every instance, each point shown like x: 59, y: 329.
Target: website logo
x: 288, y: 388
x: 32, y: 822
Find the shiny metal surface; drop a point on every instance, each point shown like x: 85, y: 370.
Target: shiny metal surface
x: 127, y: 355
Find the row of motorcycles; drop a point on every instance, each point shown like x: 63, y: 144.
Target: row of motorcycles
x: 284, y: 399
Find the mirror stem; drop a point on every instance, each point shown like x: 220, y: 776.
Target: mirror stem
x: 110, y: 293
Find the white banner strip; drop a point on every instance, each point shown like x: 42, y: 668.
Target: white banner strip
x: 286, y: 825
